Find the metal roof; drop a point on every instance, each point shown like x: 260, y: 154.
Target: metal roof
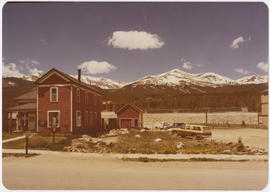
x: 24, y: 107
x: 30, y: 95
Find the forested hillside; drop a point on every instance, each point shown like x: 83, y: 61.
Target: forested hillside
x: 163, y: 97
x: 160, y: 97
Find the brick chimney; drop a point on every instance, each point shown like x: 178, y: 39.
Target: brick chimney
x: 79, y: 74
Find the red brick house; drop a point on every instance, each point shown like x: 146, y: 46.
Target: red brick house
x: 129, y: 116
x: 69, y: 104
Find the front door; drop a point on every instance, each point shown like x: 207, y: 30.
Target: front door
x: 31, y: 121
x: 125, y: 123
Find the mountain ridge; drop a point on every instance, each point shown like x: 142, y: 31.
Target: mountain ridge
x: 174, y: 77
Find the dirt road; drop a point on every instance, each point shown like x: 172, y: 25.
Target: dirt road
x: 58, y: 171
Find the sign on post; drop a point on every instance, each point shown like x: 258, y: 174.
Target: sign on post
x: 27, y: 134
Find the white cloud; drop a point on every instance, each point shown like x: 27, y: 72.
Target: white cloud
x: 133, y: 40
x: 34, y: 62
x: 29, y: 62
x: 14, y: 70
x: 187, y: 65
x: 95, y: 67
x: 263, y: 66
x: 237, y: 41
x: 242, y: 71
x: 35, y: 71
x: 10, y: 70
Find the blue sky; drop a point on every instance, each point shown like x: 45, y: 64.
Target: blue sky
x: 126, y: 41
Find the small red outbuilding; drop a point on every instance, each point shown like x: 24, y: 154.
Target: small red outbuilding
x: 129, y: 116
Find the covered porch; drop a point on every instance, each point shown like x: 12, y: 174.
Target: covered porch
x: 23, y: 118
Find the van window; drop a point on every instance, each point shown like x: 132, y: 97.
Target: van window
x: 196, y: 128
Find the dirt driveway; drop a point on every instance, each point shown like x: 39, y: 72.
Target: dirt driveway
x: 252, y: 137
x: 68, y: 171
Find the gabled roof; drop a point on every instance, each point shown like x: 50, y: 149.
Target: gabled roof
x: 131, y: 105
x: 32, y: 95
x: 71, y: 79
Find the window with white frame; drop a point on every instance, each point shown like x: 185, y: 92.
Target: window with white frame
x: 78, y: 119
x: 78, y: 95
x: 86, y: 98
x: 53, y: 94
x: 86, y: 118
x: 53, y: 118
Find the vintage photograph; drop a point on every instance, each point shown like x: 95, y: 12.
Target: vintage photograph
x: 135, y: 96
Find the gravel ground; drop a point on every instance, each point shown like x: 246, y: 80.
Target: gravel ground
x: 251, y: 137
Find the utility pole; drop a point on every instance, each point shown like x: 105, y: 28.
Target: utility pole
x: 206, y: 116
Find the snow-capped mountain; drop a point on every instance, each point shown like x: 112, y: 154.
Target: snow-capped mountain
x: 253, y: 79
x: 31, y: 77
x: 177, y: 77
x: 172, y: 78
x: 101, y: 82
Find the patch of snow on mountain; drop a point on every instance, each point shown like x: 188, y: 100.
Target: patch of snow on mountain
x: 253, y: 79
x: 101, y: 82
x: 214, y: 78
x: 11, y: 83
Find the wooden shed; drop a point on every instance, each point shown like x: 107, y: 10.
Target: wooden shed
x: 130, y: 116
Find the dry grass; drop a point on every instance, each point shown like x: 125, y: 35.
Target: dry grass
x: 41, y: 142
x: 146, y: 160
x: 168, y: 145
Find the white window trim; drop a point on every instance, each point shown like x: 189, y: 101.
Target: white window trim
x: 48, y: 120
x: 56, y: 94
x: 76, y: 118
